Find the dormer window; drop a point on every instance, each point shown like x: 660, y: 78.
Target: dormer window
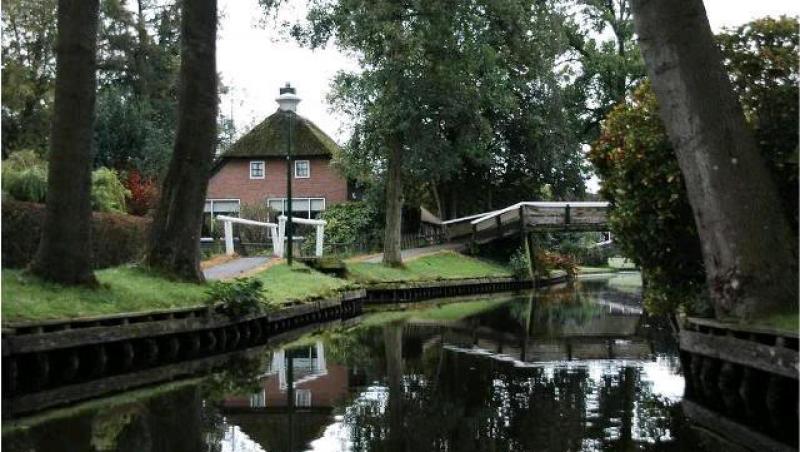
x: 256, y: 169
x: 302, y: 169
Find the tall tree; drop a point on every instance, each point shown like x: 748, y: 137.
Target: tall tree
x: 748, y: 250
x: 175, y: 234
x: 64, y: 253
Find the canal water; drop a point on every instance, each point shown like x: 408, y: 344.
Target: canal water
x: 568, y: 368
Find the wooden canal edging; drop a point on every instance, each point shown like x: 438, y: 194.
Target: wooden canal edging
x: 747, y: 376
x: 52, y: 363
x: 388, y: 293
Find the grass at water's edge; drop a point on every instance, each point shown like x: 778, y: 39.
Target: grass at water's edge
x: 789, y: 322
x: 131, y: 289
x: 122, y: 289
x: 444, y: 265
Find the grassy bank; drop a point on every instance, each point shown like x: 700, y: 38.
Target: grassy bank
x: 132, y: 289
x: 444, y: 265
x: 123, y: 289
x: 283, y: 284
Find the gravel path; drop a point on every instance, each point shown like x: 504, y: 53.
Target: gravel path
x: 419, y: 252
x: 234, y: 268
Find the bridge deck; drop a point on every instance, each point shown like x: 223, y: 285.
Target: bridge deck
x: 530, y: 217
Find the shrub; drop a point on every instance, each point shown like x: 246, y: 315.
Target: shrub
x: 518, y: 264
x: 650, y: 213
x: 25, y: 176
x: 239, y: 297
x: 108, y: 193
x: 116, y: 239
x: 143, y: 193
x: 351, y: 222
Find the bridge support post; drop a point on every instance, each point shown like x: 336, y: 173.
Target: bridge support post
x: 530, y: 250
x: 229, y: 238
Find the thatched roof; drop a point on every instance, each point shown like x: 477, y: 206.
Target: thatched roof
x: 268, y: 139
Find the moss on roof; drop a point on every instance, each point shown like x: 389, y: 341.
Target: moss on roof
x: 268, y: 139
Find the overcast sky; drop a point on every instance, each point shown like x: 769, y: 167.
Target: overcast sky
x: 255, y: 62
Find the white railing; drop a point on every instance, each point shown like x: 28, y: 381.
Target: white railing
x: 319, y: 224
x: 227, y: 221
x: 277, y: 232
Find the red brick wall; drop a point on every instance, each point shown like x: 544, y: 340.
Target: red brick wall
x: 232, y: 181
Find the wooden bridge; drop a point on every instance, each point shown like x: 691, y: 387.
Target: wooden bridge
x: 528, y: 217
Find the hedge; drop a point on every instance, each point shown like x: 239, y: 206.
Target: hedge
x: 117, y: 238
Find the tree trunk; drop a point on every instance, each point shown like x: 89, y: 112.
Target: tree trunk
x: 65, y: 251
x: 748, y: 247
x: 174, y: 246
x: 394, y: 206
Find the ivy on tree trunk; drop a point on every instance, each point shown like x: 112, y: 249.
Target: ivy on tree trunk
x: 175, y: 237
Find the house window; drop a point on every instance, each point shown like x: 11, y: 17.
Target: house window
x: 256, y: 169
x: 302, y: 169
x: 216, y: 207
x: 301, y: 207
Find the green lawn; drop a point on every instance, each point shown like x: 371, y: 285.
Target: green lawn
x: 283, y: 284
x: 123, y: 289
x: 131, y: 289
x: 444, y: 265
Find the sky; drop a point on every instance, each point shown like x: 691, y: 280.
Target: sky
x: 255, y: 61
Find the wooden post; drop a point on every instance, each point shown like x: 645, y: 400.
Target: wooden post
x: 530, y: 248
x: 499, y: 225
x: 281, y: 233
x: 228, y: 238
x: 566, y: 215
x: 320, y: 235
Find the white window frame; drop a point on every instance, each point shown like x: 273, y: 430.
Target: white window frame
x: 307, y: 162
x: 283, y: 203
x: 213, y: 214
x: 263, y: 169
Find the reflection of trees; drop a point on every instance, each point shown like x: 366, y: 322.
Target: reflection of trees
x: 174, y: 420
x: 468, y: 402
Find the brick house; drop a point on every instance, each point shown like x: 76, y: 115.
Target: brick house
x: 253, y: 170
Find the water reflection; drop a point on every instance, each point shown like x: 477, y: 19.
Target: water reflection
x: 572, y: 368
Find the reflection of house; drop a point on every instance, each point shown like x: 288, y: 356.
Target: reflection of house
x: 264, y: 416
x: 317, y: 384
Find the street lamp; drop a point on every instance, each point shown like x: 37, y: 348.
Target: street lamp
x: 287, y: 103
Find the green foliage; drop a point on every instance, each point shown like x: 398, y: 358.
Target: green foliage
x: 762, y: 60
x: 462, y: 87
x: 25, y: 176
x: 108, y: 193
x: 351, y: 221
x: 650, y: 215
x: 239, y: 297
x: 518, y: 263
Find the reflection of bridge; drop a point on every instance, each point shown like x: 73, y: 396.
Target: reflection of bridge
x: 530, y: 217
x: 607, y: 337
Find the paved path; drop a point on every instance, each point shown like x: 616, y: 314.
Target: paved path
x: 234, y: 268
x: 412, y: 253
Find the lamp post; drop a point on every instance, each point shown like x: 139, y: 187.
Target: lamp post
x: 287, y: 103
